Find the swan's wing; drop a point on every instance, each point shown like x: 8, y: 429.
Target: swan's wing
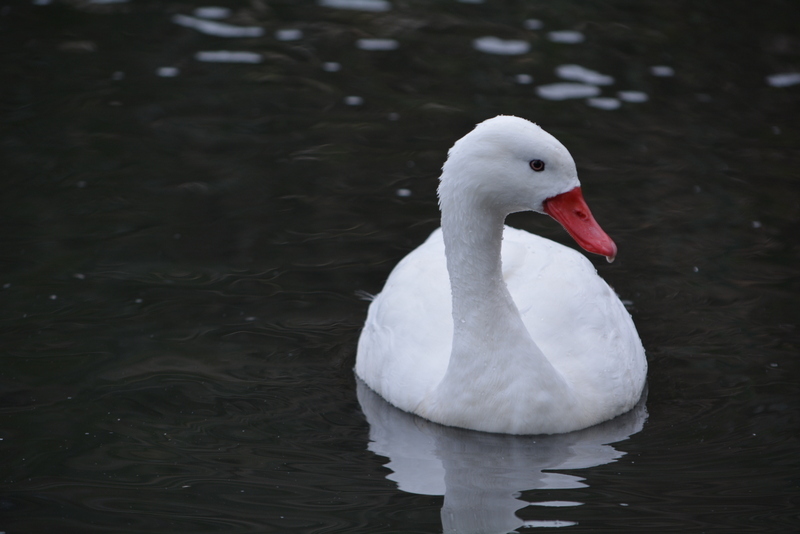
x: 405, y: 345
x: 573, y: 316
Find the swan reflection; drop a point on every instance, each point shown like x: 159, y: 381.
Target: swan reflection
x: 481, y: 475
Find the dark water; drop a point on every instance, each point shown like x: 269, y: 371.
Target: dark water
x: 183, y: 243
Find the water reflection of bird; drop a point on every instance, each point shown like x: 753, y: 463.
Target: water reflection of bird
x: 481, y: 475
x: 534, y: 344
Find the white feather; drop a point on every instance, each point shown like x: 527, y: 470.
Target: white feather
x: 535, y: 343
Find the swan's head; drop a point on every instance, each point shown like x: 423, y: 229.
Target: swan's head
x: 508, y: 164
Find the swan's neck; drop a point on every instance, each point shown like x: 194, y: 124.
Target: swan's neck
x: 486, y: 323
x: 493, y: 359
x: 473, y: 239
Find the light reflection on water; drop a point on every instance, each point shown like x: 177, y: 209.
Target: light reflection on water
x: 190, y: 220
x: 481, y: 475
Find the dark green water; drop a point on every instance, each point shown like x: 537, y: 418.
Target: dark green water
x: 182, y: 250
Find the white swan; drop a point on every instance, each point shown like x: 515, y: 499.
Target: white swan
x: 534, y: 344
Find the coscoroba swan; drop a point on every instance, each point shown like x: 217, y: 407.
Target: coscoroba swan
x: 491, y: 328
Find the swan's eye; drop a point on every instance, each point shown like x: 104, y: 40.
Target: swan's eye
x: 537, y: 165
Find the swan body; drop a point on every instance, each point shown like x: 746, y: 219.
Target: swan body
x: 491, y: 328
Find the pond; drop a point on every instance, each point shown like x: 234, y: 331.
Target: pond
x: 198, y: 198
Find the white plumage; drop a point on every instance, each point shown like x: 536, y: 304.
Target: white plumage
x: 535, y: 342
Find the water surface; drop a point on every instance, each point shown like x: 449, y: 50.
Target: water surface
x: 193, y: 203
